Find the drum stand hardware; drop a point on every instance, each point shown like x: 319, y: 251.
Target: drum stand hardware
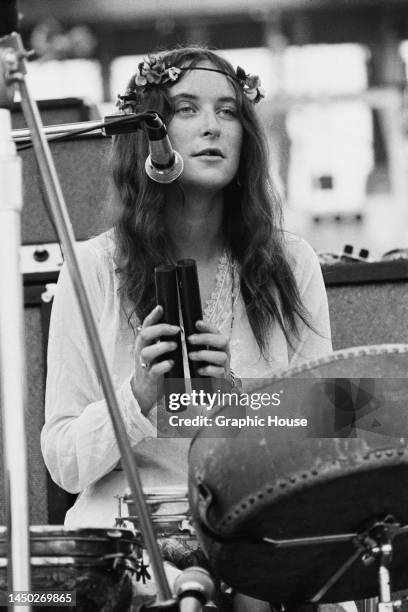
x: 155, y: 498
x: 120, y: 521
x: 374, y: 545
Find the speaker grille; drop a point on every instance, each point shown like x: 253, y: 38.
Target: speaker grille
x: 34, y: 419
x: 82, y: 168
x: 372, y: 313
x: 34, y: 415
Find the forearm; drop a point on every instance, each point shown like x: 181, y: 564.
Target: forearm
x: 81, y: 448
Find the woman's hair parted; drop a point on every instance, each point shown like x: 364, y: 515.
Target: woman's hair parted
x: 252, y: 215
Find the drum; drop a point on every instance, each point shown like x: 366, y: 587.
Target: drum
x: 97, y: 564
x: 257, y: 494
x: 172, y: 524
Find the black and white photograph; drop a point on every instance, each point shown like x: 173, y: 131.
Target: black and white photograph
x: 204, y: 305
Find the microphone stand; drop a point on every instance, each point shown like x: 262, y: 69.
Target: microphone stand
x: 54, y: 196
x: 12, y: 366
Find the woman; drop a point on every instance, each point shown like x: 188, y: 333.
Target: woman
x: 262, y: 291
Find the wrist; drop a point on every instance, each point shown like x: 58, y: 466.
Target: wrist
x: 144, y: 406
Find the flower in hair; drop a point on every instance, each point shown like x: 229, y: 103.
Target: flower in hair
x: 173, y: 73
x: 251, y: 85
x: 151, y: 71
x: 128, y: 101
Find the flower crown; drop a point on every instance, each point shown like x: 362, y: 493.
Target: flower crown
x: 153, y: 72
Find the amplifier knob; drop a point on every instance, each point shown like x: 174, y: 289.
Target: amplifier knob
x: 41, y: 255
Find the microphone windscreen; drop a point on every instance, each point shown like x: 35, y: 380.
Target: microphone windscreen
x: 8, y: 17
x: 197, y: 581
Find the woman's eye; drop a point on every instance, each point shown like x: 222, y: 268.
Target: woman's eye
x: 185, y: 109
x: 228, y: 111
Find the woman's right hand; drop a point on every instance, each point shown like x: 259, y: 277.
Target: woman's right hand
x: 147, y: 380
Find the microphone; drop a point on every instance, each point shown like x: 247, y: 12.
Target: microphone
x: 163, y: 165
x: 8, y: 17
x: 193, y: 589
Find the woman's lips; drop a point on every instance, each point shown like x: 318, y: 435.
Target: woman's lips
x: 209, y: 153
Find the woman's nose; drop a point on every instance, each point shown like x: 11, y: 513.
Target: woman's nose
x: 210, y: 125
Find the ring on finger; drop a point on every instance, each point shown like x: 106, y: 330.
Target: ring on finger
x: 139, y: 329
x: 145, y: 365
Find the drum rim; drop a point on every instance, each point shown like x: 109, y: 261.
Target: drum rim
x: 69, y: 561
x: 308, y: 367
x: 340, y: 355
x: 157, y: 493
x: 94, y: 534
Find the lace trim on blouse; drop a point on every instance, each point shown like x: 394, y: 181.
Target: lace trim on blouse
x: 218, y: 308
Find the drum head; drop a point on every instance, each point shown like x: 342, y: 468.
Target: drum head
x: 273, y: 484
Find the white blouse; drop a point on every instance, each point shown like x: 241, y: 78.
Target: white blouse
x: 78, y: 441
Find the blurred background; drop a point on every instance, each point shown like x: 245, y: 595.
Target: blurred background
x: 335, y: 76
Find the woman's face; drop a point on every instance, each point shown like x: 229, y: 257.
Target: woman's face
x: 205, y: 129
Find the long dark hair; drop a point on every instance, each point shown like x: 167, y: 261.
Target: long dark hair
x: 252, y: 215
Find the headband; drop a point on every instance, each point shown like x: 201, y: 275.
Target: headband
x: 152, y: 72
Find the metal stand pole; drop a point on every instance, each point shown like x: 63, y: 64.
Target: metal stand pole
x: 384, y: 556
x: 60, y: 215
x: 12, y: 367
x: 385, y: 581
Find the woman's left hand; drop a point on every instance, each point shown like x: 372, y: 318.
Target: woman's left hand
x: 216, y: 352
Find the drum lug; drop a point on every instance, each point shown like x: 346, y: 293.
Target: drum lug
x: 185, y: 526
x: 205, y: 499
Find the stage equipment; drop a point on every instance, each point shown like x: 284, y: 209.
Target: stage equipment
x: 367, y: 302
x: 110, y: 126
x: 13, y: 73
x: 95, y: 565
x: 56, y: 111
x: 37, y: 306
x: 164, y: 164
x: 47, y: 502
x: 172, y: 524
x: 194, y: 588
x: 318, y: 514
x: 12, y: 370
x: 82, y: 165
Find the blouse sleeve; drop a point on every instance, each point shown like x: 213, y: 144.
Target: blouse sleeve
x: 77, y: 440
x: 313, y: 341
